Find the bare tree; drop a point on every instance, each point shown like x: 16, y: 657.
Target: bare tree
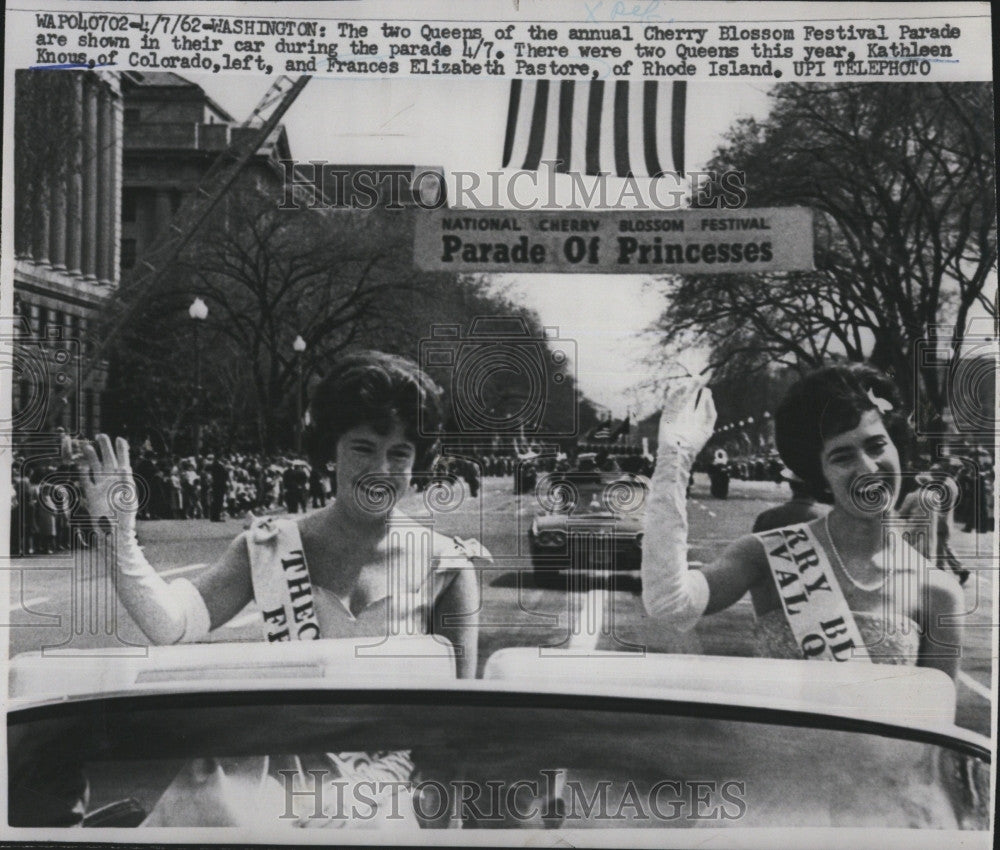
x: 270, y: 275
x: 267, y: 276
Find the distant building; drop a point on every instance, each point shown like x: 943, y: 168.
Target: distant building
x: 104, y: 161
x: 174, y: 132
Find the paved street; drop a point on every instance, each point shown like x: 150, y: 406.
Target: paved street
x: 516, y: 612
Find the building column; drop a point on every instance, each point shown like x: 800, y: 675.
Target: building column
x: 118, y: 129
x: 74, y: 178
x: 40, y: 230
x: 105, y: 227
x: 57, y: 207
x: 90, y: 176
x: 82, y: 329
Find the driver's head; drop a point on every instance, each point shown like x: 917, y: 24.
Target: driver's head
x: 48, y: 793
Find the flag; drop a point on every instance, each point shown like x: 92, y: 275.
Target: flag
x: 604, y: 431
x: 621, y: 430
x: 601, y: 432
x: 630, y: 129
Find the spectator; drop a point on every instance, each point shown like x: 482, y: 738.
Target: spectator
x: 220, y: 483
x: 317, y: 488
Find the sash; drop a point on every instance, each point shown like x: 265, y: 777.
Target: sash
x: 811, y: 596
x: 281, y: 584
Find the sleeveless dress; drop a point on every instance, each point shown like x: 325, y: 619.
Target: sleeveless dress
x: 888, y: 642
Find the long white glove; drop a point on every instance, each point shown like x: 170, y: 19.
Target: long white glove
x: 166, y: 613
x: 669, y: 589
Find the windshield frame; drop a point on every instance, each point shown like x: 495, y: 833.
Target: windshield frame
x: 511, y: 696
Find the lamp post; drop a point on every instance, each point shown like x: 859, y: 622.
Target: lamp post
x: 198, y: 311
x: 299, y: 347
x: 768, y: 431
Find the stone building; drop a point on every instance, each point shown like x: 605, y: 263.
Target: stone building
x: 68, y: 152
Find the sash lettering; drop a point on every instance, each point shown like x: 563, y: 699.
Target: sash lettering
x: 281, y: 585
x: 813, y: 601
x: 275, y: 624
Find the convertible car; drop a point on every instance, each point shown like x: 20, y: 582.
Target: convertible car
x: 264, y: 739
x: 589, y: 521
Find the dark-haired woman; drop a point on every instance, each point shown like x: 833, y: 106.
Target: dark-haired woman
x: 847, y: 586
x: 369, y: 415
x: 358, y: 567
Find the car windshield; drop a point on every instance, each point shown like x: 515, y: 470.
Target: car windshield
x: 483, y: 759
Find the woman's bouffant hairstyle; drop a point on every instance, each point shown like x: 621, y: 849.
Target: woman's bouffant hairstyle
x: 376, y: 389
x: 829, y: 402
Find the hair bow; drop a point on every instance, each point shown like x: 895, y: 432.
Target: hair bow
x: 879, y: 402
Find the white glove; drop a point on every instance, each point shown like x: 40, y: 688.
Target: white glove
x: 166, y: 613
x: 688, y: 417
x: 106, y: 481
x: 669, y: 589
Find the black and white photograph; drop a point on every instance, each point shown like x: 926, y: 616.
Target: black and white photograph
x: 520, y: 416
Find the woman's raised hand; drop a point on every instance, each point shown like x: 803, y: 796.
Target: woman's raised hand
x: 106, y: 482
x: 688, y: 416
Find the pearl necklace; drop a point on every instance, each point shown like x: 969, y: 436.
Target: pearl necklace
x: 878, y: 585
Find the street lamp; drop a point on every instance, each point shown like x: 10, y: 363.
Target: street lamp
x: 299, y: 347
x: 198, y: 311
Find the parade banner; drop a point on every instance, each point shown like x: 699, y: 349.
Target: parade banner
x: 683, y: 242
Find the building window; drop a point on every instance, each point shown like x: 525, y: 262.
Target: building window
x: 128, y: 253
x: 133, y: 116
x: 129, y: 200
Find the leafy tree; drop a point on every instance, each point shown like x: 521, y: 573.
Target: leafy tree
x: 901, y: 181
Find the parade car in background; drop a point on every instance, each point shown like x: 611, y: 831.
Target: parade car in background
x: 193, y: 736
x: 590, y: 520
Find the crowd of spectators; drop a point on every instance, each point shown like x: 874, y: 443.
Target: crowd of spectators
x: 171, y: 487
x: 214, y: 486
